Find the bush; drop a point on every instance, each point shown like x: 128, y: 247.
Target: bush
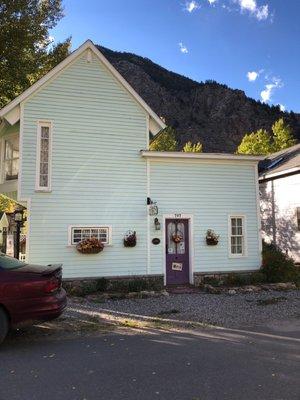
x: 102, y: 284
x: 258, y: 277
x: 278, y: 266
x: 236, y: 279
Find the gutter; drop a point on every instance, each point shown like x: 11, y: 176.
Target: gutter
x: 199, y: 156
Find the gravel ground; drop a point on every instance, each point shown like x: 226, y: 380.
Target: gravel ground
x: 236, y: 311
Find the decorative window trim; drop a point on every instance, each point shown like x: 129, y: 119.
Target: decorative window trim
x: 244, y: 242
x: 40, y: 125
x: 72, y: 227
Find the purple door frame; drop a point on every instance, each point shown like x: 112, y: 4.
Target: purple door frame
x: 177, y: 254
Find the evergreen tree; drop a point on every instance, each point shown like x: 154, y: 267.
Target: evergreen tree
x: 26, y: 48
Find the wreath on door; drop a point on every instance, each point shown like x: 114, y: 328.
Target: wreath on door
x: 177, y: 237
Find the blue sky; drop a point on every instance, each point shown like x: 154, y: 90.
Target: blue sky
x: 253, y: 45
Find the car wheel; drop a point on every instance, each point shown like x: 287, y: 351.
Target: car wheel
x: 4, y: 324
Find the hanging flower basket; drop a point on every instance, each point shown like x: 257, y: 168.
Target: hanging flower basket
x: 177, y: 238
x: 130, y: 239
x: 90, y: 246
x: 212, y: 239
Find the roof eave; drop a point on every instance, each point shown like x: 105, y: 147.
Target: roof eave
x: 199, y: 156
x: 86, y: 45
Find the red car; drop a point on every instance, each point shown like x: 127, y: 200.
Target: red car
x: 29, y: 293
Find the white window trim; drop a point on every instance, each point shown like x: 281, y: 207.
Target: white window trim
x: 40, y: 124
x: 245, y: 247
x: 79, y: 226
x: 2, y: 157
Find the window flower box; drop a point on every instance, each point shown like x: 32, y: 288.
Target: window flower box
x: 90, y: 246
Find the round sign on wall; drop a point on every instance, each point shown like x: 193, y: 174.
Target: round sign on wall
x: 155, y: 240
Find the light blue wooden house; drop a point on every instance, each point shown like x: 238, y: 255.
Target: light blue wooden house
x: 75, y: 150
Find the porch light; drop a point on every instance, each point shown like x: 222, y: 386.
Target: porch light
x: 157, y: 224
x: 152, y: 207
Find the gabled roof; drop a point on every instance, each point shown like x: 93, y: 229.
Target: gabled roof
x: 282, y: 162
x: 11, y: 110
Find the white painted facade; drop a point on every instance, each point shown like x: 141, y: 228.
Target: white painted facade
x: 97, y: 176
x: 280, y: 200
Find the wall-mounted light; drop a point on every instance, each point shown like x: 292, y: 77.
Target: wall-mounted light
x: 152, y: 207
x: 157, y: 224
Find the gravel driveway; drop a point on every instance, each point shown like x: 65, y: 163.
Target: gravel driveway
x: 240, y: 310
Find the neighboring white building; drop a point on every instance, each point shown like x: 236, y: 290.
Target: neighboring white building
x: 280, y: 200
x: 3, y: 227
x: 75, y: 150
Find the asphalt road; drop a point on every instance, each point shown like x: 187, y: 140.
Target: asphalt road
x: 126, y: 364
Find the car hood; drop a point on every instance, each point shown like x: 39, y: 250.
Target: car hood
x: 39, y: 269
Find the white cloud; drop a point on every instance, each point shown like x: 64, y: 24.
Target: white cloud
x: 183, y: 48
x: 211, y: 2
x: 262, y: 12
x: 282, y: 107
x: 191, y: 6
x: 252, y: 76
x: 249, y: 5
x: 259, y: 12
x: 267, y: 93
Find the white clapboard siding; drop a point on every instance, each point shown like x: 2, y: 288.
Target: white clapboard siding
x: 209, y: 191
x: 98, y: 175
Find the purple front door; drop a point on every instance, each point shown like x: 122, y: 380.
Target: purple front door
x: 177, y: 251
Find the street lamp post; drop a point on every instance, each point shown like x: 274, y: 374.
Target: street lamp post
x: 18, y: 217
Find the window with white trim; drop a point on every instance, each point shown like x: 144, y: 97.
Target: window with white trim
x: 43, y: 176
x: 11, y: 158
x: 102, y: 233
x: 237, y: 235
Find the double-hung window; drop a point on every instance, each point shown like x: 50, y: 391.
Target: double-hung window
x: 237, y: 236
x: 43, y: 163
x: 11, y: 158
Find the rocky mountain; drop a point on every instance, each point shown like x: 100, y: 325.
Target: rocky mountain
x: 209, y: 112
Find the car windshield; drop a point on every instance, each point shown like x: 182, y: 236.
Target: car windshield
x: 7, y: 262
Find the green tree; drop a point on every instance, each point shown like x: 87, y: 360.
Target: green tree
x: 190, y: 147
x: 26, y: 48
x: 164, y: 141
x: 6, y: 204
x: 283, y: 136
x: 262, y: 143
x: 256, y: 143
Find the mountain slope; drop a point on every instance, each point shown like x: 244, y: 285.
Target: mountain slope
x: 208, y: 112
